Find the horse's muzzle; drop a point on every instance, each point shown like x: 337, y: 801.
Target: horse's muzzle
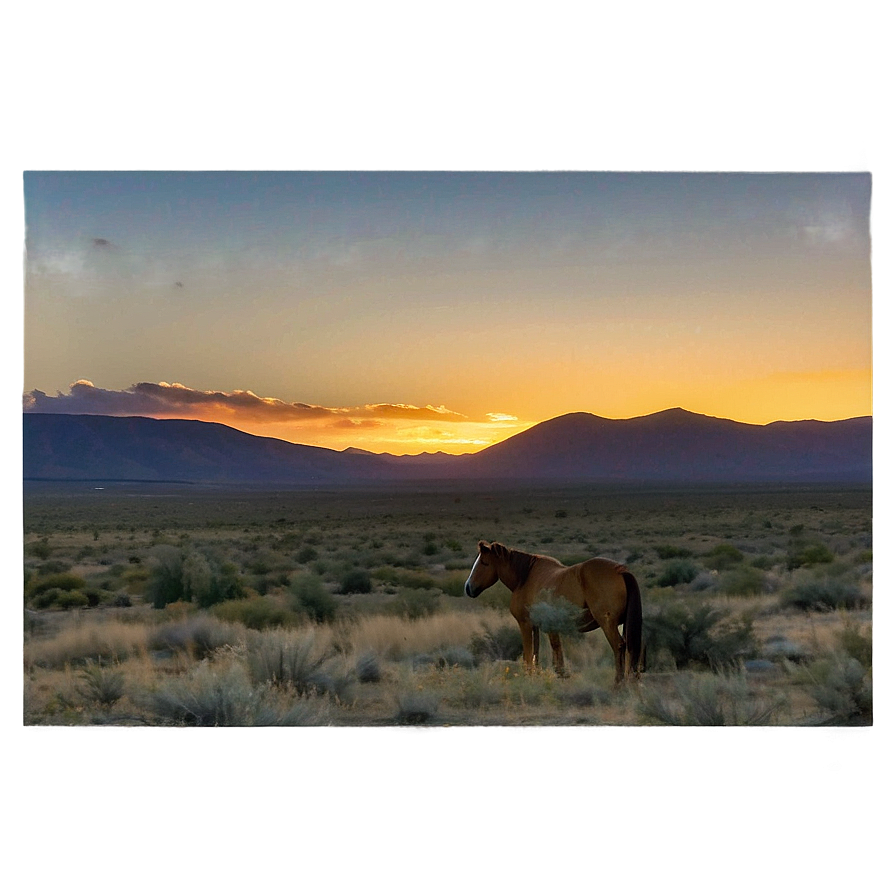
x: 468, y: 590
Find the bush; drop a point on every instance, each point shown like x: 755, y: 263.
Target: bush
x: 71, y: 600
x: 413, y: 604
x: 311, y: 598
x: 356, y: 581
x: 704, y: 699
x: 101, y: 684
x: 823, y: 594
x: 856, y: 643
x: 166, y: 581
x: 699, y: 636
x: 742, y: 581
x: 503, y: 643
x: 212, y: 696
x: 59, y: 581
x: 670, y: 551
x: 256, y: 612
x: 811, y: 554
x: 677, y: 572
x: 841, y: 688
x: 200, y: 635
x: 416, y: 708
x: 367, y: 668
x: 558, y: 616
x: 299, y: 661
x: 723, y: 556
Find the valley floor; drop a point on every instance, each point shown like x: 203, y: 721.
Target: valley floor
x: 179, y: 605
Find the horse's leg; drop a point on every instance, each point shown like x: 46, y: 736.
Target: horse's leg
x: 557, y: 647
x: 617, y: 644
x: 526, y: 634
x: 536, y: 643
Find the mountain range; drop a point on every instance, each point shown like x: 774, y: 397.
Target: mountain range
x: 673, y: 446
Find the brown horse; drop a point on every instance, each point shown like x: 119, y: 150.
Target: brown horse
x: 607, y: 592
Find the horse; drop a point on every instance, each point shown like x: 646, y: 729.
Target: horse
x: 605, y: 590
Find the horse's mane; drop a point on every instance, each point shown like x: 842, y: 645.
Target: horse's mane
x: 519, y: 562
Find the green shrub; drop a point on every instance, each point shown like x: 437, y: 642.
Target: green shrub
x: 356, y: 581
x: 71, y: 600
x: 256, y: 612
x: 723, y: 556
x: 699, y: 636
x: 856, y: 643
x: 166, y: 580
x: 742, y: 581
x: 811, y: 554
x: 311, y: 598
x: 823, y: 594
x: 101, y: 684
x: 61, y: 581
x: 677, y: 572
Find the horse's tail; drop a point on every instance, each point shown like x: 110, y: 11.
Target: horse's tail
x: 632, y: 627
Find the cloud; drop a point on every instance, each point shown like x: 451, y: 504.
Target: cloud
x: 502, y: 418
x: 176, y: 400
x: 100, y: 242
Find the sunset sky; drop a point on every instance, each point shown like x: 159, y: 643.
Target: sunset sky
x: 410, y: 312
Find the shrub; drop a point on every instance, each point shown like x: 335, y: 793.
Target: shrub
x: 311, y: 598
x: 742, y: 581
x: 416, y: 708
x: 413, y: 604
x: 71, y: 600
x: 101, y: 684
x: 823, y: 594
x: 256, y: 612
x: 213, y: 696
x: 299, y: 661
x: 810, y: 554
x: 502, y: 643
x: 356, y: 581
x: 677, y: 572
x: 698, y: 636
x: 706, y: 699
x: 723, y: 556
x: 200, y: 635
x: 856, y: 643
x: 670, y: 551
x: 555, y: 615
x: 59, y: 581
x: 166, y: 581
x: 841, y: 688
x: 367, y: 668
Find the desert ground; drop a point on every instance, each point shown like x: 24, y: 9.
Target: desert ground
x: 180, y: 605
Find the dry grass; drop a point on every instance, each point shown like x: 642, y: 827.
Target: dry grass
x: 111, y: 641
x: 396, y: 638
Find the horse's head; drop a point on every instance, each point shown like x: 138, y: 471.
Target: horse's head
x: 484, y: 573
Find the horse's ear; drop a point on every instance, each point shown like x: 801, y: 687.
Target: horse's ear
x: 484, y: 546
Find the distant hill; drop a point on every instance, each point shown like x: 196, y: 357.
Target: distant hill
x: 680, y: 446
x: 673, y: 446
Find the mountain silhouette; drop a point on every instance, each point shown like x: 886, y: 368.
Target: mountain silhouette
x: 673, y: 446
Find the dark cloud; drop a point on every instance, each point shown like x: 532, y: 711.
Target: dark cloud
x: 100, y: 243
x: 175, y: 400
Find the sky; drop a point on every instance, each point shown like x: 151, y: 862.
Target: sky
x: 417, y: 311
